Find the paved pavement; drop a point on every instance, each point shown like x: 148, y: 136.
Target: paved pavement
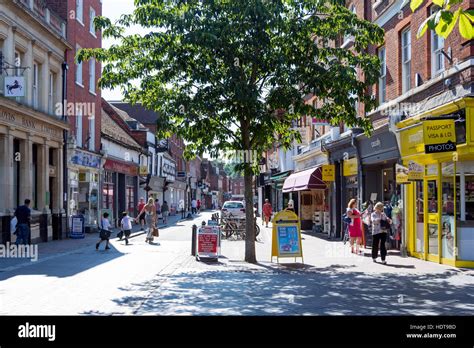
x: 163, y: 279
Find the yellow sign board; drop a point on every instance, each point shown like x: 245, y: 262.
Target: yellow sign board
x: 350, y: 167
x: 328, y: 172
x: 433, y: 219
x: 143, y: 170
x: 401, y: 174
x: 411, y: 141
x: 439, y: 132
x: 416, y: 171
x: 286, y: 235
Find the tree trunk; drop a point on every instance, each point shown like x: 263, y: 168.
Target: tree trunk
x: 249, y: 213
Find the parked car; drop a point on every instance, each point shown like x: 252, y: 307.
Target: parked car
x: 236, y: 208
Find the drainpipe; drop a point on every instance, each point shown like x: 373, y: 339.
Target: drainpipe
x: 65, y: 67
x: 360, y: 177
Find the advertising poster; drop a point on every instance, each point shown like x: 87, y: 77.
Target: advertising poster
x: 77, y: 227
x: 208, y: 241
x: 401, y: 174
x: 416, y: 171
x: 288, y: 240
x: 447, y: 236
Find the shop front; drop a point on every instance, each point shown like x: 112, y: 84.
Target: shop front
x: 84, y: 172
x: 119, y: 188
x: 278, y: 180
x: 312, y: 195
x: 378, y: 155
x: 439, y: 206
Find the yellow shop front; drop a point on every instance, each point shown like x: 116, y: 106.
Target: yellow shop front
x: 438, y: 149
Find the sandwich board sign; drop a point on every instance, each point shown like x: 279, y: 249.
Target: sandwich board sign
x: 286, y: 236
x: 208, y: 242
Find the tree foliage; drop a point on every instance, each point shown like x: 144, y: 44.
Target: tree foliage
x: 220, y: 72
x: 444, y: 19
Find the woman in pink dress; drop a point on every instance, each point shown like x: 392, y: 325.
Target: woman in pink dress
x: 355, y: 227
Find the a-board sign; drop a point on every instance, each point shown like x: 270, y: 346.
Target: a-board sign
x: 77, y: 227
x: 286, y: 237
x: 208, y: 242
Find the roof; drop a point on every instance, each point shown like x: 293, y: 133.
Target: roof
x: 137, y: 111
x: 110, y: 128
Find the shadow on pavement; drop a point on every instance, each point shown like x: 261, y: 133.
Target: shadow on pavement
x: 333, y: 290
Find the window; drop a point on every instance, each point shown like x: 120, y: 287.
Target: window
x: 79, y: 10
x: 17, y: 63
x: 92, y: 75
x: 35, y: 86
x: 92, y: 133
x: 78, y: 69
x: 406, y: 60
x: 51, y: 93
x: 91, y: 21
x: 383, y: 75
x: 437, y: 45
x: 79, y: 128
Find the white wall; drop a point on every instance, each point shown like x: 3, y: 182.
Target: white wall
x: 119, y: 152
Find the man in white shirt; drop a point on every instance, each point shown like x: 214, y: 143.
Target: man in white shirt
x: 194, y: 206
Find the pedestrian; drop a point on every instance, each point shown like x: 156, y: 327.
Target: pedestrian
x: 267, y: 212
x: 149, y: 210
x: 199, y: 206
x: 379, y: 232
x: 104, y: 231
x: 158, y: 210
x: 367, y: 210
x: 355, y: 226
x: 141, y: 216
x: 165, y: 210
x: 194, y: 206
x: 291, y: 206
x: 181, y: 207
x: 126, y: 226
x: 23, y: 215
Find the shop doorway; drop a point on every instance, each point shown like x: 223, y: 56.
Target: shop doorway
x: 432, y: 223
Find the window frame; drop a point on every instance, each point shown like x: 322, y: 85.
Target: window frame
x: 434, y: 54
x: 79, y: 70
x: 92, y: 88
x: 80, y: 10
x: 35, y: 86
x: 406, y: 61
x: 92, y: 15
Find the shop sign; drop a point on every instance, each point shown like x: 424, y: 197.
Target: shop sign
x: 143, y: 170
x: 439, y: 136
x: 401, y: 174
x: 14, y: 86
x: 169, y: 170
x: 286, y: 239
x: 85, y: 159
x: 328, y: 172
x: 350, y: 167
x: 77, y: 227
x: 180, y: 174
x: 416, y: 171
x: 208, y: 242
x: 411, y: 141
x: 119, y: 167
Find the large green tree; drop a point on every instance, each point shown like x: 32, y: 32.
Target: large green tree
x: 231, y: 75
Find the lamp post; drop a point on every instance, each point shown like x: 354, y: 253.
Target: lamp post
x: 65, y: 68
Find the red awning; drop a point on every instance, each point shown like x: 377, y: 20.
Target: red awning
x: 310, y: 179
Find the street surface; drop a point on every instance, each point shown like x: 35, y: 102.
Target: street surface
x: 72, y: 278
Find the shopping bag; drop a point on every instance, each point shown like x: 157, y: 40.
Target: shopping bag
x: 155, y: 232
x: 13, y: 224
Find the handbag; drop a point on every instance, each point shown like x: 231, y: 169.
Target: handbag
x: 346, y: 219
x: 104, y: 234
x: 384, y: 225
x: 155, y: 232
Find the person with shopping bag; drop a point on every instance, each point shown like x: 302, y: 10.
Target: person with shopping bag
x: 150, y: 218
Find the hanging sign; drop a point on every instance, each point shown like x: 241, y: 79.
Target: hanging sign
x: 439, y: 136
x: 350, y: 167
x: 328, y: 172
x: 416, y: 171
x: 14, y: 86
x: 401, y: 174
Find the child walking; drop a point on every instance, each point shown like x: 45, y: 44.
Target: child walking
x: 126, y: 226
x: 104, y: 232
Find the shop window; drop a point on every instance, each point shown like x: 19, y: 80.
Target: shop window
x: 432, y: 196
x: 460, y: 126
x: 448, y: 210
x: 465, y: 210
x: 433, y: 228
x: 420, y: 217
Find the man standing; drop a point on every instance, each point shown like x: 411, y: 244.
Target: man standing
x: 199, y: 206
x: 194, y: 206
x: 23, y: 215
x: 267, y: 212
x: 141, y: 217
x: 181, y: 207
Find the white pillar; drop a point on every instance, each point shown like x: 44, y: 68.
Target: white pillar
x: 44, y: 84
x: 29, y: 74
x: 6, y: 172
x: 43, y: 176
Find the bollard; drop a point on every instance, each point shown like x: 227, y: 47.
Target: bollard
x: 193, y: 241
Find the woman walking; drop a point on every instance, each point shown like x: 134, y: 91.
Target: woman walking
x: 379, y: 232
x: 267, y: 212
x: 165, y: 211
x: 150, y: 218
x: 355, y: 227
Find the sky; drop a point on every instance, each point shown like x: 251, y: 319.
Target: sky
x: 113, y: 9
